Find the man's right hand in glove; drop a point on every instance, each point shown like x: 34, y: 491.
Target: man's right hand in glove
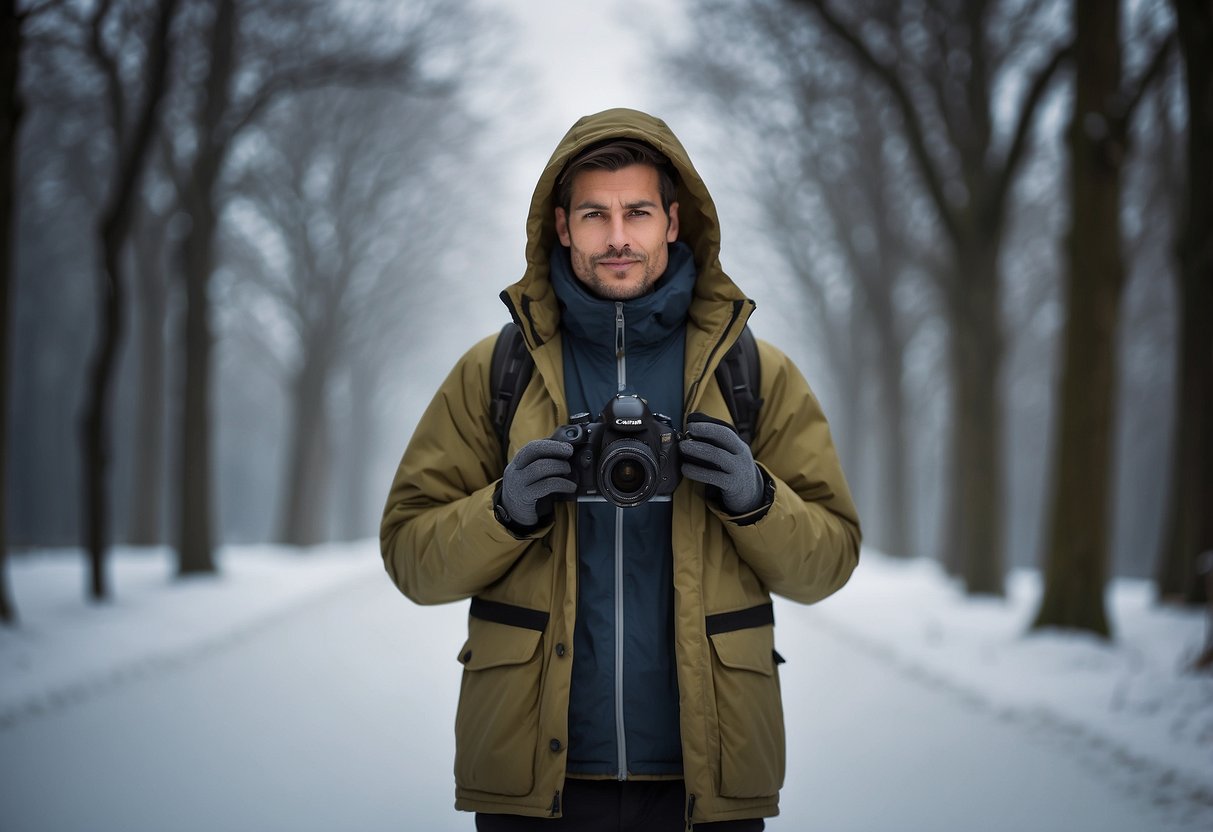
x: 539, y: 469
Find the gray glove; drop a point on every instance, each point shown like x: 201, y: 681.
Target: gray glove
x: 714, y: 454
x: 539, y: 469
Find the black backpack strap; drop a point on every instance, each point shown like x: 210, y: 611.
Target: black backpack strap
x: 740, y: 378
x: 509, y: 374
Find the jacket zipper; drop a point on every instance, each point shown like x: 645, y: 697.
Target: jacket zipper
x: 555, y: 805
x: 620, y: 732
x: 620, y: 359
x: 690, y: 812
x: 738, y: 305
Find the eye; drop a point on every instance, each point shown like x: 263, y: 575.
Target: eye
x: 639, y: 212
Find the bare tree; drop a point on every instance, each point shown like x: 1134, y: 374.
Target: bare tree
x: 939, y: 62
x: 251, y: 55
x: 133, y: 135
x: 354, y: 212
x: 1076, y: 562
x: 10, y: 121
x: 831, y: 197
x: 1188, y: 529
x: 149, y: 244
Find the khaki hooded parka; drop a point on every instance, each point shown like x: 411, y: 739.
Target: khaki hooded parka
x: 441, y: 541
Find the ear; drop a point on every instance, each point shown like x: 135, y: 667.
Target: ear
x: 671, y: 232
x: 562, y: 228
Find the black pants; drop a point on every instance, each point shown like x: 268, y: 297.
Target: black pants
x: 614, y: 806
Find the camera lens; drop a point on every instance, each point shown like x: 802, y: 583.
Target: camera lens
x: 627, y: 474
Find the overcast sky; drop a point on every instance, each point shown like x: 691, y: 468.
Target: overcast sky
x: 590, y: 56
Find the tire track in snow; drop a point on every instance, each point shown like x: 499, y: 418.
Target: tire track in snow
x: 1181, y: 800
x: 90, y: 686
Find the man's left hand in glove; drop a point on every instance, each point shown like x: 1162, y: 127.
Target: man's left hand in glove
x: 715, y: 455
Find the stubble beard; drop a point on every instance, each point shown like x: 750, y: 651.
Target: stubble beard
x: 609, y: 289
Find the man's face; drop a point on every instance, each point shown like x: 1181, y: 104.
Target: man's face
x: 616, y: 231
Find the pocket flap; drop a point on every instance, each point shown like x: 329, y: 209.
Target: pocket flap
x: 749, y: 649
x: 490, y: 644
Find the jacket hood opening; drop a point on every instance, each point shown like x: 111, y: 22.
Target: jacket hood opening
x: 699, y: 224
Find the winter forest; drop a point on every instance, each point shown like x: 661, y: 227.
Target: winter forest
x: 243, y: 241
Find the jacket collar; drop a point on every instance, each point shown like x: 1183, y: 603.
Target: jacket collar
x: 650, y: 319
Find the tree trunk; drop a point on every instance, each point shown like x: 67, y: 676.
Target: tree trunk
x: 360, y: 429
x: 149, y: 419
x: 10, y: 112
x: 195, y: 552
x: 894, y: 470
x: 196, y: 546
x: 131, y: 155
x: 305, y: 481
x: 1189, y: 527
x: 973, y: 531
x: 1076, y: 563
x: 851, y: 426
x: 895, y: 533
x: 95, y: 427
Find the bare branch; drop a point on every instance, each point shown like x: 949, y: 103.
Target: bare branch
x: 132, y: 156
x: 1133, y: 92
x: 1010, y: 164
x: 891, y: 79
x: 37, y: 10
x: 115, y: 96
x: 337, y: 71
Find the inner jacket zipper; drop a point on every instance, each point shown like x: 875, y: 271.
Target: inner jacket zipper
x: 620, y: 734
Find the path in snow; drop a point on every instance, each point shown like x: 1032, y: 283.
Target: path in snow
x: 339, y: 715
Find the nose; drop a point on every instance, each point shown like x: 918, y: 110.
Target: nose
x: 616, y: 235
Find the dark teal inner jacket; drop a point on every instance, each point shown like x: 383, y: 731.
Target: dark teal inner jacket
x: 654, y: 348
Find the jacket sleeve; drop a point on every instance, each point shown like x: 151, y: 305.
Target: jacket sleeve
x: 806, y: 545
x: 439, y: 537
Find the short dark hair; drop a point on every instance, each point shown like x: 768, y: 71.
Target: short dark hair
x: 612, y: 155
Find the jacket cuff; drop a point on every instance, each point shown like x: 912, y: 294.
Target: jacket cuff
x: 750, y: 517
x: 518, y: 530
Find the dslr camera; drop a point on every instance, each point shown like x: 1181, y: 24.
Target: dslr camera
x: 627, y: 457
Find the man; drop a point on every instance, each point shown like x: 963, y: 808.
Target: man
x: 620, y: 671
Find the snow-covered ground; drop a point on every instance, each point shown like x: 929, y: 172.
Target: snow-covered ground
x: 298, y: 691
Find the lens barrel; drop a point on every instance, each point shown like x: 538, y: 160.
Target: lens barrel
x: 627, y: 473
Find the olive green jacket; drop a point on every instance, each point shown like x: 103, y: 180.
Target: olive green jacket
x: 441, y: 541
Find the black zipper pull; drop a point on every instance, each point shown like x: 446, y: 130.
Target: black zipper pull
x: 690, y: 813
x: 555, y: 804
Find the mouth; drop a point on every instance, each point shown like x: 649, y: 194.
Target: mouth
x: 616, y: 264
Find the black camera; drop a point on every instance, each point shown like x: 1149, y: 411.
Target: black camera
x: 628, y: 457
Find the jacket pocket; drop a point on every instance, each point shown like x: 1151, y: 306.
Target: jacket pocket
x: 749, y: 712
x: 497, y: 722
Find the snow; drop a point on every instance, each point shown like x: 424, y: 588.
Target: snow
x: 298, y: 689
x: 65, y: 648
x: 1132, y: 695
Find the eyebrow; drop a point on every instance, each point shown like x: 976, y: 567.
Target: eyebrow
x: 596, y: 206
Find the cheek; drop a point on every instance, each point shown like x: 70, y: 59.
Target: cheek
x: 581, y: 241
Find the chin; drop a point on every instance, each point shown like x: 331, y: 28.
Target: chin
x: 624, y: 292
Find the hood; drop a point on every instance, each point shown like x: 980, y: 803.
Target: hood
x: 531, y: 299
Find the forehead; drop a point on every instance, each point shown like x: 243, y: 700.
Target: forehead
x: 633, y: 182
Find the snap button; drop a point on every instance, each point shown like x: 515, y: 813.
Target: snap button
x: 554, y: 745
x: 466, y: 657
x: 560, y: 650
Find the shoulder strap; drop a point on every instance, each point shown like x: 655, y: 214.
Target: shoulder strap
x: 740, y: 378
x: 509, y: 374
